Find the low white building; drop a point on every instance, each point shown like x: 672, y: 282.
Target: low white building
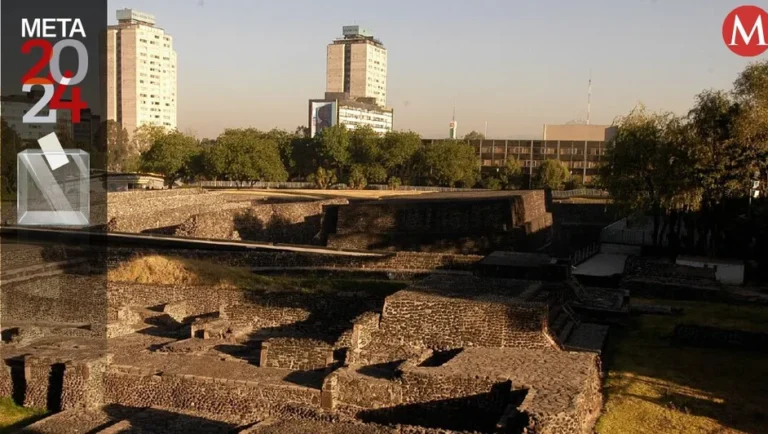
x: 727, y: 271
x: 340, y: 108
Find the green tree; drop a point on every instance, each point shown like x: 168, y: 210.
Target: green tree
x: 333, y: 147
x: 492, y: 183
x: 474, y: 135
x: 552, y: 174
x: 511, y: 173
x: 121, y: 155
x: 450, y: 163
x: 366, y: 151
x: 398, y: 153
x: 170, y: 155
x: 322, y: 178
x: 246, y: 156
x: 647, y: 165
x: 357, y: 178
x: 302, y: 132
x: 145, y: 136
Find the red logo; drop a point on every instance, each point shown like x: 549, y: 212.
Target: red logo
x: 743, y: 31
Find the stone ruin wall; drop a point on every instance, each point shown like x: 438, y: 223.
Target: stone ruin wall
x: 440, y: 225
x: 293, y: 223
x: 57, y: 299
x: 413, y: 393
x: 229, y: 398
x: 579, y: 417
x: 139, y: 211
x: 81, y: 381
x: 445, y: 322
x: 296, y: 354
x: 442, y: 216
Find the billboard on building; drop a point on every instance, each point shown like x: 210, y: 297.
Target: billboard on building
x: 323, y: 116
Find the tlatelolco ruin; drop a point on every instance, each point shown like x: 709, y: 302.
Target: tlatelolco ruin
x: 389, y: 315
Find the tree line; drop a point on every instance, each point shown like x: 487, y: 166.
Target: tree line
x: 335, y: 155
x: 693, y: 174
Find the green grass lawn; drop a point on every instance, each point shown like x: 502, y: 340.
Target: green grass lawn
x: 13, y: 417
x: 653, y: 387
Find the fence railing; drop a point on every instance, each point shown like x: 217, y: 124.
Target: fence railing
x: 585, y: 253
x: 581, y: 192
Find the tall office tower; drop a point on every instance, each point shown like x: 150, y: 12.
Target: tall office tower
x: 141, y: 72
x: 357, y: 66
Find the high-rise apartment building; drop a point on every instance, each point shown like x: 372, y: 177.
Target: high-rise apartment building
x: 357, y: 66
x: 141, y: 72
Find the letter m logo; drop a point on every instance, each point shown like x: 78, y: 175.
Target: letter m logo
x: 743, y: 31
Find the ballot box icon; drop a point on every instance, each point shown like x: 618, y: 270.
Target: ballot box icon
x: 53, y: 186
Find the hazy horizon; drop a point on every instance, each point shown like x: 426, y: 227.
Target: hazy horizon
x: 516, y: 65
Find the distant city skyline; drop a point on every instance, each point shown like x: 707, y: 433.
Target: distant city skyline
x: 516, y: 65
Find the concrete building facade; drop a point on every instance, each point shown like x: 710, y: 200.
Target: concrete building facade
x: 583, y: 157
x: 579, y: 132
x: 141, y: 73
x: 357, y: 65
x: 349, y: 111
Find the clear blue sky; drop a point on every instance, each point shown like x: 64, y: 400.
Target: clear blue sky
x: 517, y: 64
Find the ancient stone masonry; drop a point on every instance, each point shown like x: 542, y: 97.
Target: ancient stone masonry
x: 230, y: 397
x: 55, y: 299
x: 295, y: 222
x: 427, y: 315
x: 166, y: 209
x: 296, y: 354
x: 472, y: 223
x: 451, y: 353
x: 658, y: 278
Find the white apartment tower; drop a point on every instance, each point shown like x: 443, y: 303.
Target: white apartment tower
x: 141, y: 72
x: 357, y: 66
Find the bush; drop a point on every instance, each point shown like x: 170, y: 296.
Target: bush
x: 394, y: 183
x: 322, y: 178
x: 492, y: 183
x: 357, y: 178
x: 574, y: 183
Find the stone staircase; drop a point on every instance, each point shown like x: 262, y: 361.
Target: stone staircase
x: 48, y: 269
x: 571, y: 334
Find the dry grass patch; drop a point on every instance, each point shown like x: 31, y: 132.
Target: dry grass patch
x: 654, y: 387
x: 163, y: 270
x: 170, y: 270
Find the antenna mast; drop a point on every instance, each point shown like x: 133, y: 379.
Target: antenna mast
x: 589, y: 96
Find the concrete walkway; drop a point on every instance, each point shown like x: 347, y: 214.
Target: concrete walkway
x: 602, y: 264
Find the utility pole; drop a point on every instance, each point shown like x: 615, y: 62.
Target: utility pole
x: 589, y: 96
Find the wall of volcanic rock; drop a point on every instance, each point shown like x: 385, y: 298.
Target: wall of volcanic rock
x: 230, y: 398
x: 445, y: 322
x: 55, y: 299
x: 292, y: 223
x: 162, y: 211
x: 468, y: 223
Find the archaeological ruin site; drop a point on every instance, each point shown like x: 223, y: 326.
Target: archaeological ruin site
x: 224, y: 312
